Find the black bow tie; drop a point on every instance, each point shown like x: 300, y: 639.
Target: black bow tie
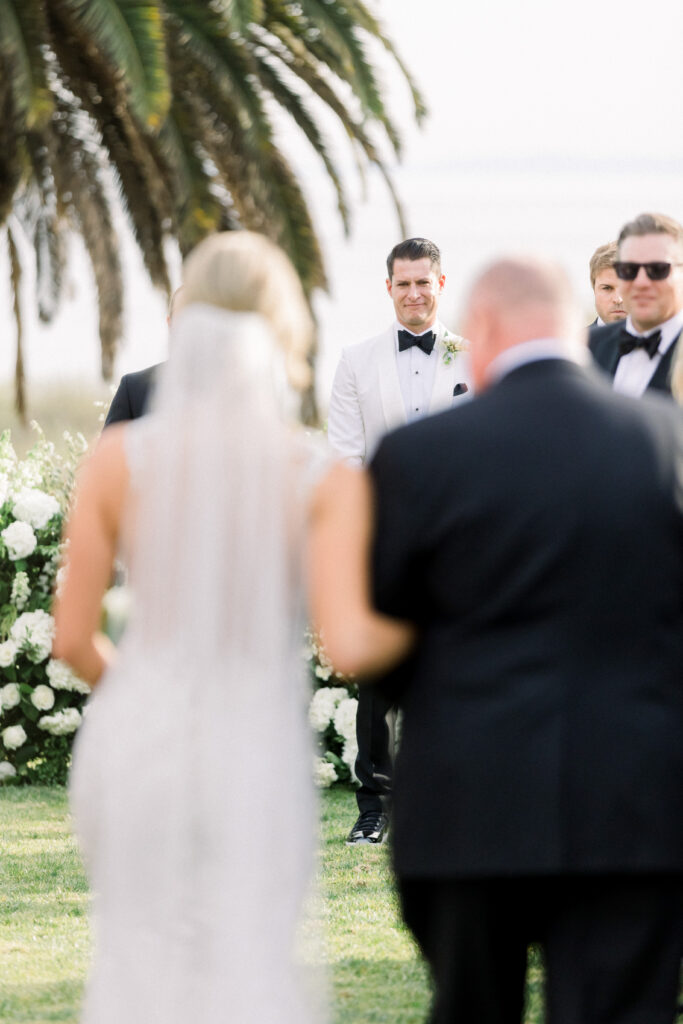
x: 424, y: 341
x: 628, y: 342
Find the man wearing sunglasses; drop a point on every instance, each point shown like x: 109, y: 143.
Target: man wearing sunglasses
x: 638, y: 353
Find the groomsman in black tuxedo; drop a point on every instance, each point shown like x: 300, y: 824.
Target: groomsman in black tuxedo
x: 535, y: 537
x: 133, y: 393
x: 406, y: 372
x: 638, y: 354
x: 606, y: 286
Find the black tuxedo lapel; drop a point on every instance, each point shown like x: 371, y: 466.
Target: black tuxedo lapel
x: 661, y: 378
x: 603, y: 343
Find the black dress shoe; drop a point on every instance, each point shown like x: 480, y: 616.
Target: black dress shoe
x: 371, y: 827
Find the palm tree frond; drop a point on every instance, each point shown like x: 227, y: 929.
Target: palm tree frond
x: 15, y: 282
x: 130, y: 35
x: 22, y: 59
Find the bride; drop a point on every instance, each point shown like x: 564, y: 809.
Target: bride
x: 191, y: 779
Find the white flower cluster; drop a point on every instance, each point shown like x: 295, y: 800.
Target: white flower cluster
x: 62, y: 678
x: 333, y: 705
x: 35, y: 507
x: 33, y: 633
x: 323, y: 705
x: 8, y: 652
x: 20, y: 540
x: 7, y: 770
x: 13, y: 737
x: 43, y: 697
x: 4, y: 488
x: 61, y: 723
x: 324, y: 773
x: 10, y: 696
x: 21, y: 590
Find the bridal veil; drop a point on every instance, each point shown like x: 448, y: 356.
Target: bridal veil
x: 192, y: 777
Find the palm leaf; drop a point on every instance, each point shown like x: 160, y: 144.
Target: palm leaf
x: 15, y: 282
x: 293, y: 104
x: 23, y: 32
x: 81, y: 188
x: 129, y: 34
x: 10, y: 151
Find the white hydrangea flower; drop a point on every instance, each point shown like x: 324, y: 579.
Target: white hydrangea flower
x: 62, y: 678
x: 13, y: 736
x: 349, y: 755
x: 10, y: 695
x: 117, y: 603
x: 8, y: 652
x: 345, y: 718
x: 61, y: 723
x: 35, y: 507
x: 323, y: 672
x: 323, y: 705
x: 43, y: 697
x: 324, y: 773
x: 4, y: 488
x: 33, y: 633
x: 20, y: 540
x: 21, y: 590
x: 7, y: 770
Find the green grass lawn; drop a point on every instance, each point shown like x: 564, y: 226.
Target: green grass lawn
x: 376, y: 973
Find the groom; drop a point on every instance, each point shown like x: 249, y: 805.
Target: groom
x: 413, y: 368
x: 536, y: 539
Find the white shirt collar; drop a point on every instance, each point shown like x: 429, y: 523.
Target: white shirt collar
x: 670, y: 329
x: 528, y: 352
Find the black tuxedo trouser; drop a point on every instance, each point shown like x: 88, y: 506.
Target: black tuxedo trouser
x: 612, y: 946
x: 374, y: 763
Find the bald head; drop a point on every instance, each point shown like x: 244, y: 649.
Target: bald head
x: 515, y: 300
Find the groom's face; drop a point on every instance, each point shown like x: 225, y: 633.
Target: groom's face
x: 415, y: 288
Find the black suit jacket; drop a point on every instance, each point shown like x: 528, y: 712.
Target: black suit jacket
x: 132, y: 395
x: 535, y: 537
x: 604, y: 344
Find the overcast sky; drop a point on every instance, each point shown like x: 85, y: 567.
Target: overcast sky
x: 550, y: 125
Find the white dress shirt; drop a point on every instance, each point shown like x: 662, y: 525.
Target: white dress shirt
x: 416, y: 372
x: 635, y: 370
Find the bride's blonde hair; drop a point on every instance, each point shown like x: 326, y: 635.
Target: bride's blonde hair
x: 246, y: 272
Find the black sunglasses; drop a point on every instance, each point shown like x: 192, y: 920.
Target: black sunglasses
x: 656, y: 271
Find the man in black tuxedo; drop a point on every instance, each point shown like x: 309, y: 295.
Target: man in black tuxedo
x: 132, y: 395
x: 609, y: 305
x: 535, y: 536
x: 638, y: 354
x: 135, y: 389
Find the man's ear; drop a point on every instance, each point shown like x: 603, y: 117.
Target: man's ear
x: 388, y: 284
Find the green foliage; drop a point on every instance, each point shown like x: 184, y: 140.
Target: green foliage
x: 184, y: 103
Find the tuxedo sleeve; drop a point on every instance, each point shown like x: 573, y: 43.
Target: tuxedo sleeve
x: 345, y: 429
x: 120, y: 409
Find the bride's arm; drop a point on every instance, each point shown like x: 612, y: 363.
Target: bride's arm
x: 92, y: 534
x: 357, y: 639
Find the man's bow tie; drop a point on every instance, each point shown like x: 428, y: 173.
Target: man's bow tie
x: 423, y: 341
x: 628, y: 342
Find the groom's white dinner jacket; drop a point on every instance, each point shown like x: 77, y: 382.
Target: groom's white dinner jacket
x: 367, y: 401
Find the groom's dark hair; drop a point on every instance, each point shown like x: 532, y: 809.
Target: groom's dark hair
x: 414, y: 249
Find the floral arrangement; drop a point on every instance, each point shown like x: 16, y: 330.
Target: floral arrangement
x: 332, y: 715
x: 451, y: 344
x: 41, y: 700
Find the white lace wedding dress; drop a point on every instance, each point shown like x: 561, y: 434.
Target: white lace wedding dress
x: 191, y: 785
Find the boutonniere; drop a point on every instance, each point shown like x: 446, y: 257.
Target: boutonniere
x: 451, y: 344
